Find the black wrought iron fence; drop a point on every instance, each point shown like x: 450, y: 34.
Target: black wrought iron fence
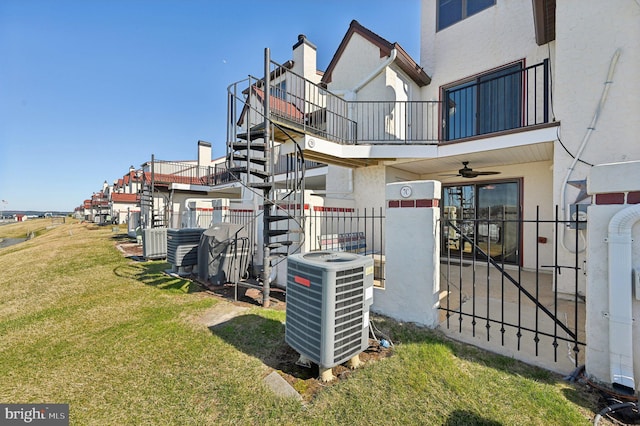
x: 352, y: 230
x: 487, y: 290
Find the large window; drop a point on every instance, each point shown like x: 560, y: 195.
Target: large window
x: 482, y: 219
x: 452, y: 11
x: 491, y: 102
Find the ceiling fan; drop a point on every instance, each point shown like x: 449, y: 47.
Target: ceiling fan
x: 469, y: 173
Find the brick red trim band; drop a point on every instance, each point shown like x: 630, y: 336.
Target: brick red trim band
x: 426, y: 203
x: 633, y: 197
x: 611, y: 198
x: 333, y: 209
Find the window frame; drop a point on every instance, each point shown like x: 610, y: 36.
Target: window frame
x: 475, y: 80
x: 464, y: 5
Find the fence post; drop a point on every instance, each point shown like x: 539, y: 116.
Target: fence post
x: 412, y: 253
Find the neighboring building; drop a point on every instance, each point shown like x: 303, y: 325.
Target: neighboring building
x: 123, y: 205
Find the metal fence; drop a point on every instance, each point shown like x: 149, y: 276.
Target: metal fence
x: 346, y: 229
x: 488, y: 293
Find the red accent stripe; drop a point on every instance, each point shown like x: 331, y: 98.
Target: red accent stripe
x: 333, y: 209
x: 302, y: 281
x: 633, y: 197
x: 413, y: 203
x: 612, y: 198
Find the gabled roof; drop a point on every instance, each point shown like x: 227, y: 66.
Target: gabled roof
x: 403, y: 60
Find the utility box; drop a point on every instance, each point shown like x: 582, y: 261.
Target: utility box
x: 578, y: 216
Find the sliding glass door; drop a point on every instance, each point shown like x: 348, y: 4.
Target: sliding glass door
x: 482, y: 219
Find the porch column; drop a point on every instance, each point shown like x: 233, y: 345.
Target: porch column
x: 412, y: 252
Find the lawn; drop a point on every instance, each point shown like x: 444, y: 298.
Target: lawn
x: 122, y: 343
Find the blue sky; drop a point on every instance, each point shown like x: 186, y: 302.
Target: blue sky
x: 90, y: 87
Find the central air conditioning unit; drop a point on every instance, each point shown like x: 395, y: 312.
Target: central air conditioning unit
x: 182, y: 246
x: 328, y: 299
x: 154, y: 243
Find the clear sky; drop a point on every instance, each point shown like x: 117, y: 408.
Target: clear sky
x: 90, y: 87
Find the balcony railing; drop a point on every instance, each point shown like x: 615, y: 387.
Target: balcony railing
x: 504, y: 100
x: 508, y: 101
x: 168, y: 172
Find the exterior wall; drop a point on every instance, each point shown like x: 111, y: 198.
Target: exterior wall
x: 368, y: 185
x: 339, y: 182
x: 363, y: 57
x: 601, y: 315
x: 586, y: 40
x: 496, y: 36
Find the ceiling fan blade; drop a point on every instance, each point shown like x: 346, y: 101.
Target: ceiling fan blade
x: 486, y: 173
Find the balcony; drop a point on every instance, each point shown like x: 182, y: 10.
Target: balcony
x: 513, y: 101
x: 166, y: 173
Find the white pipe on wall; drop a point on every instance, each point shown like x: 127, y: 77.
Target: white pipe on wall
x: 620, y: 297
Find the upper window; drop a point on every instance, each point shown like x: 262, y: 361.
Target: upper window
x: 487, y: 103
x: 280, y: 90
x: 452, y: 11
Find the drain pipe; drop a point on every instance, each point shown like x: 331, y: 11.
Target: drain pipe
x: 620, y: 299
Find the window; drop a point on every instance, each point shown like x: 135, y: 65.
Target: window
x: 452, y: 11
x: 482, y: 218
x: 489, y: 103
x: 280, y: 90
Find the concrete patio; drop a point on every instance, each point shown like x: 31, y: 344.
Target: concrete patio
x: 481, y: 292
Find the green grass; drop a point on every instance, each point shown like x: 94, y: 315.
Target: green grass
x: 119, y: 341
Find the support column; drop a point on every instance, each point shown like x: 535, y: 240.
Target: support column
x: 412, y: 252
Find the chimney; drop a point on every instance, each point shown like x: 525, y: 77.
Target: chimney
x: 304, y: 59
x: 204, y: 154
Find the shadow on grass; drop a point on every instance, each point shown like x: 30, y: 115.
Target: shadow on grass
x: 263, y: 338
x: 153, y: 274
x: 465, y: 417
x: 122, y: 237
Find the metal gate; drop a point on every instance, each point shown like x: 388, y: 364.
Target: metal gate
x: 508, y: 308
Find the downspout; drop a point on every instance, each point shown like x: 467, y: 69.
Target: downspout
x: 620, y: 299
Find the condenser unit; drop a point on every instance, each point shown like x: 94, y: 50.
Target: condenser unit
x: 328, y: 299
x: 182, y: 246
x: 154, y: 243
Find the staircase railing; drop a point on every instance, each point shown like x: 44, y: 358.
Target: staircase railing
x: 251, y: 153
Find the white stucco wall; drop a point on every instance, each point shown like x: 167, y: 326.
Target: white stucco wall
x: 586, y: 40
x: 359, y: 58
x: 493, y: 37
